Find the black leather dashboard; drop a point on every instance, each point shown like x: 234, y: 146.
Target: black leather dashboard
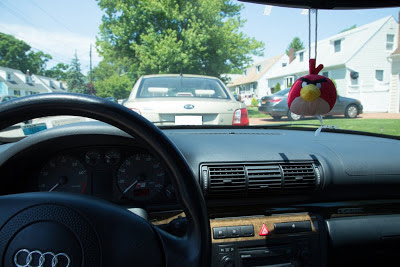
x: 356, y: 188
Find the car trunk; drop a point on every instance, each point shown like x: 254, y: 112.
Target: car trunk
x: 187, y: 110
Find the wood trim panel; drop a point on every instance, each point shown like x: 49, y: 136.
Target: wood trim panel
x: 257, y: 222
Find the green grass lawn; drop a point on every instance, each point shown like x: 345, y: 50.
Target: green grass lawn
x: 379, y: 126
x: 253, y: 113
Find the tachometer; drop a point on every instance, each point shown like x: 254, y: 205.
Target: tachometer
x: 141, y: 177
x: 64, y: 174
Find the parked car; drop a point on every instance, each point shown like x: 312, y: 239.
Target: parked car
x: 4, y: 98
x: 174, y: 99
x: 276, y: 106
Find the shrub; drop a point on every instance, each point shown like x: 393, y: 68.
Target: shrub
x: 254, y: 102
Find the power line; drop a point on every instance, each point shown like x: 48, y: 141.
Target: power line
x: 15, y: 13
x: 48, y: 14
x: 18, y: 11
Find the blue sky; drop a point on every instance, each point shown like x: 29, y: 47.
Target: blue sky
x: 59, y: 27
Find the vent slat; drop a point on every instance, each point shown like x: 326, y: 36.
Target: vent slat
x: 252, y: 179
x: 264, y: 179
x: 227, y: 180
x: 299, y: 177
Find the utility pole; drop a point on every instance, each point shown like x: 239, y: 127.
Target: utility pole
x: 91, y: 80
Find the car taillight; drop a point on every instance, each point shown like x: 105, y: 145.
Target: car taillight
x: 240, y: 117
x: 136, y: 110
x: 277, y: 100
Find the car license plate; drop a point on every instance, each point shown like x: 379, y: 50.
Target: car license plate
x: 188, y: 120
x: 33, y: 128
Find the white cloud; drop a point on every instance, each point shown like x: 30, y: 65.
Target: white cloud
x: 60, y: 45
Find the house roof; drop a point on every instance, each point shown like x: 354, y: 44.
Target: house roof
x: 251, y: 73
x: 397, y: 51
x: 54, y: 86
x: 351, y: 42
x: 17, y: 83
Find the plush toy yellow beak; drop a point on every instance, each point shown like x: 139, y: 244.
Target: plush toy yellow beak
x: 310, y: 92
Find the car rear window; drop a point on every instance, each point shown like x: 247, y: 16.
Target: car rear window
x: 181, y: 87
x: 283, y: 92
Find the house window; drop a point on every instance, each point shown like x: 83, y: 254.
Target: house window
x: 289, y: 81
x: 28, y: 79
x: 284, y: 64
x: 17, y: 92
x: 379, y: 75
x: 61, y: 85
x: 9, y: 77
x: 354, y: 77
x: 258, y: 67
x: 338, y: 45
x: 389, y: 42
x: 245, y: 72
x: 301, y: 56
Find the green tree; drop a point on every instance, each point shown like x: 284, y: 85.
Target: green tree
x: 58, y: 72
x: 18, y: 55
x: 254, y: 102
x: 349, y: 28
x: 277, y: 88
x: 195, y: 36
x: 116, y: 86
x: 296, y: 44
x: 75, y: 79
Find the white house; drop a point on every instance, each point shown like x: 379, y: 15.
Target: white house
x: 14, y: 82
x: 253, y: 82
x: 358, y: 61
x: 394, y: 91
x: 51, y: 84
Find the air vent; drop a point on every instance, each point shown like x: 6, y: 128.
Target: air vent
x: 264, y: 178
x: 252, y: 179
x: 226, y: 180
x: 298, y: 177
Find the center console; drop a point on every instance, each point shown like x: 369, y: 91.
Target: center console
x: 284, y: 240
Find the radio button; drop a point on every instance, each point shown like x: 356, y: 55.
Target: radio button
x: 219, y: 232
x: 233, y: 231
x: 292, y: 227
x: 247, y: 230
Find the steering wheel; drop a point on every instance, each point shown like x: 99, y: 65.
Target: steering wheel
x: 50, y: 228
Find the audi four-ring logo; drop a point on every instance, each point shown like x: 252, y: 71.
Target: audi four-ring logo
x: 25, y: 258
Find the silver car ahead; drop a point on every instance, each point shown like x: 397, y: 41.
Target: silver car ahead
x: 174, y: 99
x: 276, y: 106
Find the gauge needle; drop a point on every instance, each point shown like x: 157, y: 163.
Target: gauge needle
x: 129, y: 187
x: 63, y: 180
x: 54, y: 187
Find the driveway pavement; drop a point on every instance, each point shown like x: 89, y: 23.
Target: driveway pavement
x: 269, y: 120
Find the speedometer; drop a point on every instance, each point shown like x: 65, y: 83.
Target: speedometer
x: 141, y: 177
x: 63, y: 173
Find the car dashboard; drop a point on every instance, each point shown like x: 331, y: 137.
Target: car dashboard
x: 275, y: 197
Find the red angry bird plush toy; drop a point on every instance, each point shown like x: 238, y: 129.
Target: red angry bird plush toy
x: 312, y: 94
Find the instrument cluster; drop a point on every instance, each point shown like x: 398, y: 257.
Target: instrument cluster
x: 119, y: 175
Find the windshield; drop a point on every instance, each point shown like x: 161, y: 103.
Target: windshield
x: 180, y: 87
x: 208, y: 63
